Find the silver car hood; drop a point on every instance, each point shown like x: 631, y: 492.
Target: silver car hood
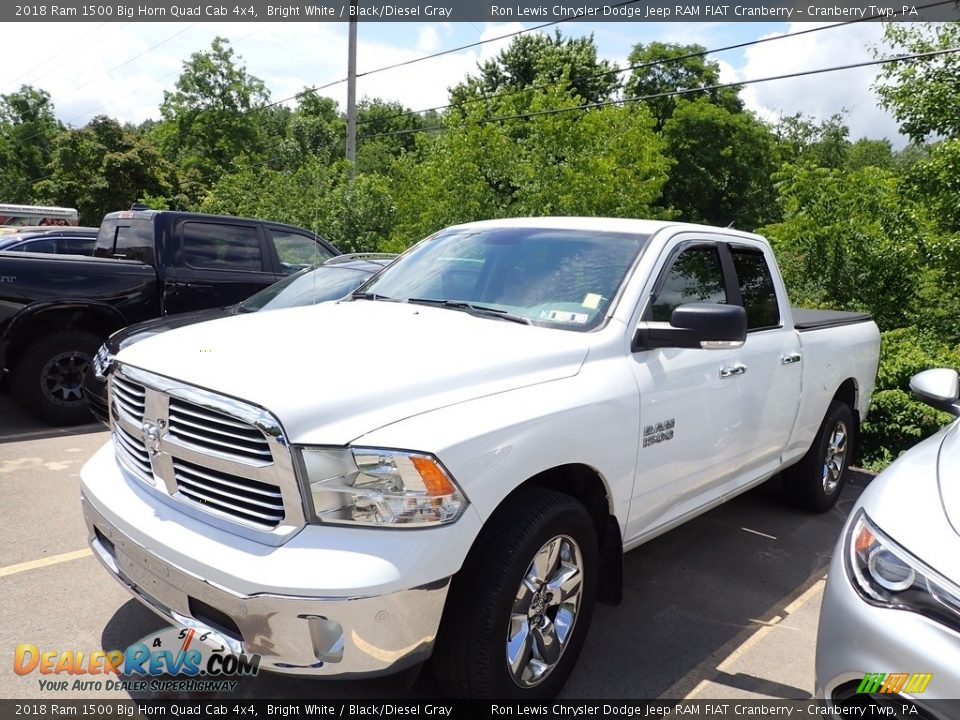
x: 948, y: 475
x: 906, y: 503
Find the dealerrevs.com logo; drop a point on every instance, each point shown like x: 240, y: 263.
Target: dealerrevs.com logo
x: 196, y: 660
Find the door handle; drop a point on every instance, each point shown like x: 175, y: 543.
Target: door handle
x: 733, y: 370
x: 790, y: 358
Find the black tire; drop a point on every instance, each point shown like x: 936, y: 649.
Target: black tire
x: 47, y: 378
x: 812, y: 484
x: 470, y: 656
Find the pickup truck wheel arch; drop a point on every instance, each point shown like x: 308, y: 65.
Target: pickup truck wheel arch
x: 513, y: 556
x: 585, y: 484
x: 41, y: 319
x: 815, y: 483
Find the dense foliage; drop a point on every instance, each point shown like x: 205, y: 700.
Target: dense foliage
x: 856, y: 224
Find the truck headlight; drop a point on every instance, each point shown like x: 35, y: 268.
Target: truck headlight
x: 371, y: 486
x: 102, y: 362
x: 885, y: 574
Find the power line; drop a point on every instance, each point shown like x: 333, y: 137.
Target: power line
x: 685, y: 91
x: 68, y: 48
x: 431, y: 56
x: 656, y: 63
x: 654, y: 96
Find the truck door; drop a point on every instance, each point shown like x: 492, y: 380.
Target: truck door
x: 217, y: 264
x: 689, y: 417
x: 769, y: 396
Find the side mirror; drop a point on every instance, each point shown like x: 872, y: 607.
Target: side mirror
x: 696, y: 325
x: 939, y: 388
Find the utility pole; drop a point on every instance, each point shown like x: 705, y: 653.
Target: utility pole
x: 352, y: 88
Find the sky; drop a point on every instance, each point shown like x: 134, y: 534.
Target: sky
x: 122, y: 69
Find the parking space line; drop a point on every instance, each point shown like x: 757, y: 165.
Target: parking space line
x: 756, y: 637
x: 45, y: 562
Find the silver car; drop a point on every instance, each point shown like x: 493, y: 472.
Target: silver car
x: 890, y: 621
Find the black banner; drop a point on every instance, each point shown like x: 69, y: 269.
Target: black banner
x: 533, y: 11
x: 644, y: 709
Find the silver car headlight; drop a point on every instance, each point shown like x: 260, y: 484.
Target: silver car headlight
x: 102, y: 362
x: 371, y: 486
x: 886, y: 575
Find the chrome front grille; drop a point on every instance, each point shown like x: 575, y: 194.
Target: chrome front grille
x: 217, y: 432
x: 134, y: 451
x: 252, y: 500
x: 215, y: 458
x: 129, y: 396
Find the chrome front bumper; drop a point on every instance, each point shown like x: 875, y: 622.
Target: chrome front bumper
x: 346, y: 638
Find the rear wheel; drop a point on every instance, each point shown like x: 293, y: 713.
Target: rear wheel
x: 47, y: 380
x: 520, y: 607
x: 815, y: 483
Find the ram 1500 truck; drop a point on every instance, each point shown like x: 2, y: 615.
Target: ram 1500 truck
x: 455, y: 468
x: 55, y: 311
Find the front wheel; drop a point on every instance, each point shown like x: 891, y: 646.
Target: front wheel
x: 816, y: 481
x: 47, y: 380
x: 519, y: 609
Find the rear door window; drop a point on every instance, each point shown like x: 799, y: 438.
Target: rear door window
x: 756, y: 288
x: 221, y: 246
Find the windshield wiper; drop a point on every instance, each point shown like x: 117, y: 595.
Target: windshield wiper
x: 369, y: 296
x: 472, y: 308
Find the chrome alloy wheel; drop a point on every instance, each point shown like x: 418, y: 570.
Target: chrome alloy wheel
x: 544, y: 611
x: 835, y: 456
x: 62, y: 377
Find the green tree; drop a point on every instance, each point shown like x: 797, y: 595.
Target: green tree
x: 101, y: 168
x: 850, y: 240
x: 723, y: 165
x: 355, y: 215
x: 897, y: 421
x: 604, y: 161
x: 666, y: 67
x: 28, y: 127
x: 385, y: 130
x: 539, y: 61
x: 871, y: 153
x: 212, y: 119
x: 801, y: 139
x: 923, y: 95
x: 935, y: 180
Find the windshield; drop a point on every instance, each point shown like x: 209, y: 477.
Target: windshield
x: 307, y: 287
x: 556, y: 278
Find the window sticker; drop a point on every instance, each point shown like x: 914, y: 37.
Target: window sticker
x: 592, y: 301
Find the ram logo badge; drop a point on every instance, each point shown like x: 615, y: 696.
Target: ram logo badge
x: 658, y: 433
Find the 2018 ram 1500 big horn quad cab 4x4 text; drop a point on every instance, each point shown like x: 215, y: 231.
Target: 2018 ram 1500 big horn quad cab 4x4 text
x: 508, y: 407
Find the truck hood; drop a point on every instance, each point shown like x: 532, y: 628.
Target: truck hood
x: 333, y: 372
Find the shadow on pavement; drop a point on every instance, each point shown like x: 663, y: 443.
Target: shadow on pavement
x: 690, y: 597
x: 17, y: 425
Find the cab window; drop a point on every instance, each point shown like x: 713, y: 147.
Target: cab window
x: 756, y: 288
x: 695, y: 276
x: 215, y: 246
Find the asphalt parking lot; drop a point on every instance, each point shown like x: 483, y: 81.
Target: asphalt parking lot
x: 725, y: 606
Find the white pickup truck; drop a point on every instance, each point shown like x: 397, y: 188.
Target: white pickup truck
x: 451, y: 463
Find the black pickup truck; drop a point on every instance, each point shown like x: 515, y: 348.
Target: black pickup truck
x: 56, y: 310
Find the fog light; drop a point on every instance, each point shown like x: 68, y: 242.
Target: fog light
x: 327, y: 638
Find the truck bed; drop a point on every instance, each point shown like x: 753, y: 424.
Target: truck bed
x: 805, y: 320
